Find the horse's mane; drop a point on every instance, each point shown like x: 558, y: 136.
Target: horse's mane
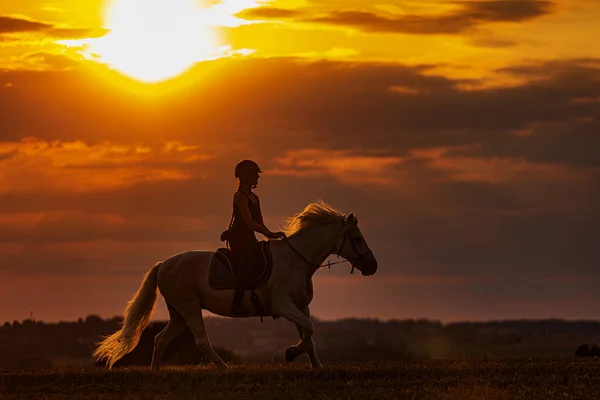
x: 316, y: 213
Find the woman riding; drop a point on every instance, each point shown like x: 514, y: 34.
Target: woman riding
x: 247, y: 219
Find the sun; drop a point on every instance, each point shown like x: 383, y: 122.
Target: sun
x: 154, y: 40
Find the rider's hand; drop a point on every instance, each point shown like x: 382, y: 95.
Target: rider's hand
x: 277, y: 235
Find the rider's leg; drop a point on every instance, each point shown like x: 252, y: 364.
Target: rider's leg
x: 242, y: 256
x: 237, y: 307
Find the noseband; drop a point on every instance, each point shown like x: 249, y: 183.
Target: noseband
x: 359, y: 256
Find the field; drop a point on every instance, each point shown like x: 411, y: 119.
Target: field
x: 513, y: 379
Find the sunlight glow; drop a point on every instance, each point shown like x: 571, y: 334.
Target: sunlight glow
x: 156, y: 40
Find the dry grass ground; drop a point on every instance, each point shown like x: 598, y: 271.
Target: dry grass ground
x: 508, y: 379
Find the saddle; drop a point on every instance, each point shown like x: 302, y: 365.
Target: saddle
x: 221, y: 274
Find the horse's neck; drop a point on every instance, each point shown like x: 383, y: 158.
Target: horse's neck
x: 315, y: 245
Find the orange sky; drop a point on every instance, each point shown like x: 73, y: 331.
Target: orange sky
x: 464, y: 135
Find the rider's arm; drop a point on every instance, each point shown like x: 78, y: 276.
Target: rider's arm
x: 276, y: 235
x: 242, y: 203
x: 260, y: 217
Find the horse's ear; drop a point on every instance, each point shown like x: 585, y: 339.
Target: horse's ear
x: 351, y: 217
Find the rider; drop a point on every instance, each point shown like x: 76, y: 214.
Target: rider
x: 247, y: 219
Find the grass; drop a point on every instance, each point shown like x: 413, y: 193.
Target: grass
x: 512, y: 379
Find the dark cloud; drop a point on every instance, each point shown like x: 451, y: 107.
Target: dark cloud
x: 17, y: 25
x: 480, y: 195
x: 14, y: 25
x: 572, y: 72
x: 270, y: 13
x: 573, y: 143
x: 492, y: 42
x: 573, y: 88
x: 286, y: 105
x: 470, y: 15
x: 506, y: 10
x: 76, y: 33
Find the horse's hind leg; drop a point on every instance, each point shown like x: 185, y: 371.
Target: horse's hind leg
x: 174, y: 327
x: 193, y: 317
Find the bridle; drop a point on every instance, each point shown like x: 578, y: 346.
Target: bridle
x: 348, y: 238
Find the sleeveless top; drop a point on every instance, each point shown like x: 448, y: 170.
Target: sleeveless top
x: 240, y: 231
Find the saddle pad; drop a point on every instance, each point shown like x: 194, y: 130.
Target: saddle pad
x: 221, y: 273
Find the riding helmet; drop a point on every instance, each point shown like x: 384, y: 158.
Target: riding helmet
x: 246, y: 167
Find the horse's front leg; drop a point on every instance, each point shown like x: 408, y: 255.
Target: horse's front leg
x: 312, y: 352
x: 288, y: 310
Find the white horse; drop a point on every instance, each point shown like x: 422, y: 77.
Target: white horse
x: 183, y: 281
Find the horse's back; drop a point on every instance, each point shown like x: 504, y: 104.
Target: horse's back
x: 184, y: 271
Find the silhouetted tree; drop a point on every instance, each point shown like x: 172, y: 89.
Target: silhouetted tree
x: 582, y: 350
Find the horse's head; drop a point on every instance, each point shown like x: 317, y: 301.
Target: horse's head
x: 353, y: 246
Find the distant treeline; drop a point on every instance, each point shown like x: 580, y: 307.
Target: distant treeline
x: 37, y: 344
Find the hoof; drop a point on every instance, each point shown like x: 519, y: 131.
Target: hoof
x: 291, y: 353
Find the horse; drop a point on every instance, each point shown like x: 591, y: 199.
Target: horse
x: 183, y: 280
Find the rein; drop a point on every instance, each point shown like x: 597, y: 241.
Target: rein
x: 329, y: 263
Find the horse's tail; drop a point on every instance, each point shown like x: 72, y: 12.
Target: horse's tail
x: 137, y: 317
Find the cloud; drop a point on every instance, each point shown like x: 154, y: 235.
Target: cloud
x: 43, y: 61
x: 351, y: 168
x: 13, y: 28
x: 76, y: 33
x: 493, y: 42
x: 468, y: 16
x: 579, y: 69
x: 270, y: 13
x: 16, y: 25
x: 33, y: 164
x: 291, y: 104
x: 506, y: 10
x: 572, y: 143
